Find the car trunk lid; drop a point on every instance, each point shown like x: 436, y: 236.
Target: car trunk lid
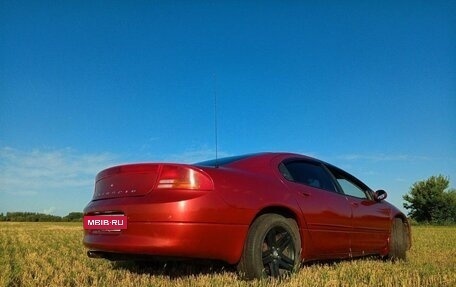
x: 125, y: 181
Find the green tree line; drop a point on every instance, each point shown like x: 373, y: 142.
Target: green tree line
x: 40, y: 217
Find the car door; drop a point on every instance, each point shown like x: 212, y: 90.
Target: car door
x: 370, y: 219
x: 326, y: 212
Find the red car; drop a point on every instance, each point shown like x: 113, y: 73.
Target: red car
x: 265, y: 212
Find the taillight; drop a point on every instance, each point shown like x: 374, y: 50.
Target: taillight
x: 183, y: 177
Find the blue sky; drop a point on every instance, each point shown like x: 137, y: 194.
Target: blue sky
x: 369, y: 86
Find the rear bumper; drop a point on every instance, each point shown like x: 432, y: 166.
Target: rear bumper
x: 182, y: 240
x: 201, y: 226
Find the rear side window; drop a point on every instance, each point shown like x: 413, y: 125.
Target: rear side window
x: 308, y: 173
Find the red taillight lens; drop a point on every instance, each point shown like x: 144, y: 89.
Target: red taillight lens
x: 183, y: 177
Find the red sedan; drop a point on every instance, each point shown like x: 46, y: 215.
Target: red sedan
x: 265, y: 212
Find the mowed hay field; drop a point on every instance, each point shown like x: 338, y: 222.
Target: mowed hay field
x: 51, y: 254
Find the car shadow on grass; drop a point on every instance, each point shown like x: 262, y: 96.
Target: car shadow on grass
x: 333, y: 262
x: 175, y: 269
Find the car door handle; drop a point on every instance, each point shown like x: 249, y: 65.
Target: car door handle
x: 354, y: 204
x: 303, y: 193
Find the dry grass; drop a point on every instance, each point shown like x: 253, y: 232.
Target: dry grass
x: 51, y: 254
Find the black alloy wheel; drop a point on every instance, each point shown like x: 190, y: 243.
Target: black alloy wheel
x: 272, y: 248
x: 278, y: 252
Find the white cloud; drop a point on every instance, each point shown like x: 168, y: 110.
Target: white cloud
x: 50, y: 210
x: 40, y: 171
x: 382, y: 157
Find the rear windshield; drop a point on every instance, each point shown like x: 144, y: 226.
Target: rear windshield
x: 224, y: 160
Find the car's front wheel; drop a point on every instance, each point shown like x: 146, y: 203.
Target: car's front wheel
x: 398, y: 240
x: 272, y: 248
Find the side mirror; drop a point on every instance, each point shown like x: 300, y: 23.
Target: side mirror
x: 380, y: 195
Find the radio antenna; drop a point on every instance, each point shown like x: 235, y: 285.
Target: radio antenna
x: 215, y: 120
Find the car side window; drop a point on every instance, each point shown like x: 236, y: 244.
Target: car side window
x: 351, y: 189
x: 350, y: 185
x: 308, y: 173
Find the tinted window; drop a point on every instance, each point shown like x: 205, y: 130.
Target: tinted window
x: 312, y: 174
x: 349, y: 184
x: 350, y: 188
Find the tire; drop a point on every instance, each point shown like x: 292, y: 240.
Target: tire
x: 398, y: 241
x: 272, y: 248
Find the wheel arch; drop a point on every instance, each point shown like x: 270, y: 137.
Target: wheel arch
x: 280, y: 210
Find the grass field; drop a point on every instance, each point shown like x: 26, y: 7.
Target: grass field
x: 51, y: 254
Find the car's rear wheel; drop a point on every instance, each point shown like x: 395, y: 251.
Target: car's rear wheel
x: 398, y: 241
x: 272, y: 248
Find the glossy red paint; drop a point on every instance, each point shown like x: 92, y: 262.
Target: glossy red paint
x: 206, y: 210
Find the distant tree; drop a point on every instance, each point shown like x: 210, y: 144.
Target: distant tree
x: 430, y: 201
x: 39, y: 217
x: 73, y: 216
x: 31, y: 217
